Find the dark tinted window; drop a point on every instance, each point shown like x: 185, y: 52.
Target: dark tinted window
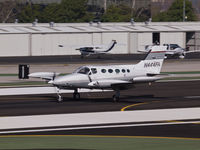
x: 103, y: 70
x: 110, y: 70
x: 117, y: 70
x: 84, y: 70
x: 123, y: 70
x: 94, y: 70
x: 128, y: 70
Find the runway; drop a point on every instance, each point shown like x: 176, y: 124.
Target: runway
x: 170, y: 110
x: 161, y: 95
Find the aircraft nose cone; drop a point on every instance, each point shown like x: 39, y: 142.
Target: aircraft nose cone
x: 57, y: 82
x: 51, y: 82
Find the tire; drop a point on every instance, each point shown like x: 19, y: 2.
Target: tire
x: 115, y: 98
x: 76, y: 96
x: 60, y: 99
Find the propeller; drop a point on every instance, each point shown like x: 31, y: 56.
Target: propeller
x: 54, y: 76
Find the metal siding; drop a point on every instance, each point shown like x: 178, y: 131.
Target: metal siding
x: 47, y: 44
x: 144, y: 39
x: 96, y: 38
x: 14, y: 45
x: 173, y: 38
x: 133, y: 42
x: 122, y: 41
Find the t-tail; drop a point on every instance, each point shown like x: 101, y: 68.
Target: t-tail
x: 111, y: 45
x: 153, y: 62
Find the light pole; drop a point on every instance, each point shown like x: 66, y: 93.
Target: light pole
x: 183, y: 10
x: 105, y: 5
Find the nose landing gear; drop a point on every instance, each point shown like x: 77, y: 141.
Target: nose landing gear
x: 60, y: 98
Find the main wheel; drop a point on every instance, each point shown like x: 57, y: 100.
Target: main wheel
x: 115, y: 98
x: 76, y: 96
x: 60, y: 99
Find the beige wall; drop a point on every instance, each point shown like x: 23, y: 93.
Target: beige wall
x: 14, y: 45
x: 173, y: 38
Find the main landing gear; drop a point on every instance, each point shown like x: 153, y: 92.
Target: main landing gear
x: 76, y: 95
x: 116, y: 96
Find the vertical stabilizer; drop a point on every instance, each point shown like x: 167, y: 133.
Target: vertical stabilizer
x: 111, y: 45
x: 152, y: 64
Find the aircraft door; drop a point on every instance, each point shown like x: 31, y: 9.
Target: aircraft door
x: 93, y: 73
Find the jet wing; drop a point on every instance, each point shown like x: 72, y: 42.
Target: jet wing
x: 44, y: 75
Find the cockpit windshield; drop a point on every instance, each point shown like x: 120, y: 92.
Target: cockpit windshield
x: 174, y: 46
x: 83, y: 70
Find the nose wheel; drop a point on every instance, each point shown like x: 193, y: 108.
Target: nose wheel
x: 60, y: 98
x: 116, y: 96
x: 76, y: 95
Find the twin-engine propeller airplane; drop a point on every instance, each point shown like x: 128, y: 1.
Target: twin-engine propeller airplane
x: 95, y: 49
x: 115, y: 77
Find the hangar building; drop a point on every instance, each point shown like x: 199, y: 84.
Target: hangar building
x: 43, y: 39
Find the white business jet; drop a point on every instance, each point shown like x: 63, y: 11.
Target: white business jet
x: 95, y: 49
x: 115, y: 77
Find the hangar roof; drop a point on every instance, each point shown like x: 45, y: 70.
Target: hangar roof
x: 101, y: 27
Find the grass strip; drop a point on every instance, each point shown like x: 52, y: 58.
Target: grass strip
x: 58, y: 142
x: 23, y: 83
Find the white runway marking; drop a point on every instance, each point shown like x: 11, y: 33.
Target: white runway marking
x: 98, y: 118
x: 192, y: 97
x: 38, y: 90
x: 98, y: 127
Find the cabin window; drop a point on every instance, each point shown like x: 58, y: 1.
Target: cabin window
x: 128, y: 70
x: 84, y: 70
x: 123, y: 70
x: 103, y: 70
x: 110, y: 70
x: 117, y: 70
x: 94, y: 70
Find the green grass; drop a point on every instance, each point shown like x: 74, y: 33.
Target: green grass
x: 97, y: 143
x: 7, y: 74
x: 31, y: 83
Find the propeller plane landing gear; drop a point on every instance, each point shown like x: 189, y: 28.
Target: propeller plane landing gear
x: 60, y: 98
x: 76, y: 95
x: 116, y: 96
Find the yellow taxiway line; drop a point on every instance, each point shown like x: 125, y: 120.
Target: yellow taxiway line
x: 124, y: 108
x: 99, y: 136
